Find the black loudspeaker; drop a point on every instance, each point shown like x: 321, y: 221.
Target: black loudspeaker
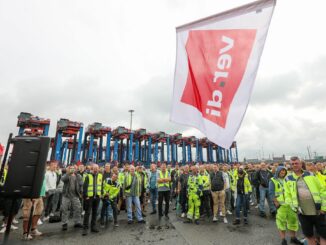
x: 26, y: 167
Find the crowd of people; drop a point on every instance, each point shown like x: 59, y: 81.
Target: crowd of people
x: 90, y: 195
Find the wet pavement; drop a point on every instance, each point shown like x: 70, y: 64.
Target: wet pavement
x: 172, y: 231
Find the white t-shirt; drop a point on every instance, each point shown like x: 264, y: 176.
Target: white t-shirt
x: 50, y: 180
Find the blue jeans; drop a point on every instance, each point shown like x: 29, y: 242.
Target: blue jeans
x: 133, y: 200
x: 264, y: 193
x: 241, y: 203
x: 106, y: 210
x: 153, y: 193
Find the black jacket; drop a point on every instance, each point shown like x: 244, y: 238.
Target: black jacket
x: 263, y: 177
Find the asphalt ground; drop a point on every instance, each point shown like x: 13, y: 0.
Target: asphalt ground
x: 173, y: 231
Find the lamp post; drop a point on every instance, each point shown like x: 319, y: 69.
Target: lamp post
x: 131, y: 111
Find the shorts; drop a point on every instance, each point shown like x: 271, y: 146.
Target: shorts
x: 38, y: 207
x: 309, y: 222
x: 286, y: 218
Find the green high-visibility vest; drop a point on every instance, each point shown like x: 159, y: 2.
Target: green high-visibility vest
x: 317, y: 191
x: 112, y: 190
x: 128, y: 182
x: 3, y: 179
x: 166, y: 175
x: 206, y: 181
x: 279, y: 191
x: 98, y: 186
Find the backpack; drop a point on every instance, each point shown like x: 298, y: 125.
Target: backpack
x: 217, y: 181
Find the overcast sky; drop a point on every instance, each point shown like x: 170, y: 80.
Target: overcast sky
x: 94, y: 60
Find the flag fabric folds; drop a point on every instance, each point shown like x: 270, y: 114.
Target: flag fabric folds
x: 216, y: 64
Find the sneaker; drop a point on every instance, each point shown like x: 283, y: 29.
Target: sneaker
x: 39, y: 222
x: 3, y: 229
x: 183, y: 215
x: 36, y: 233
x: 284, y: 242
x: 221, y: 214
x: 295, y: 240
x: 225, y: 220
x: 14, y: 221
x: 27, y: 237
x: 229, y: 212
x: 236, y: 222
x: 102, y: 224
x: 257, y: 206
x: 51, y: 214
x: 215, y: 219
x: 46, y: 218
x: 83, y: 213
x: 14, y: 227
x: 116, y: 225
x: 65, y: 227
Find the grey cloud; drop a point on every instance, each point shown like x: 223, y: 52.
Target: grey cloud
x: 300, y: 88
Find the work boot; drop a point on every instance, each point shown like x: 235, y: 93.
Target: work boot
x: 236, y: 222
x: 65, y: 227
x: 273, y: 214
x: 94, y: 229
x: 197, y: 222
x: 78, y: 225
x: 188, y: 221
x: 85, y: 232
x: 262, y: 214
x: 295, y: 240
x: 284, y: 242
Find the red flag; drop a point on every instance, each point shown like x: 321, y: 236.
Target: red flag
x: 2, y: 149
